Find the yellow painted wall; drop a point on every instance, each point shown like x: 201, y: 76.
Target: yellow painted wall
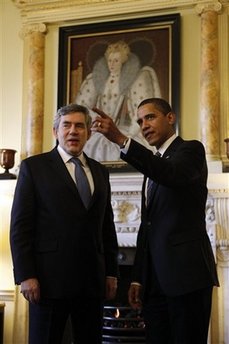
x: 11, y: 61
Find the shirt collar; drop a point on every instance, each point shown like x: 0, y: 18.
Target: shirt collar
x: 66, y: 157
x: 166, y: 144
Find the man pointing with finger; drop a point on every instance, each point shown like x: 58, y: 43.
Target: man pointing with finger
x: 174, y: 270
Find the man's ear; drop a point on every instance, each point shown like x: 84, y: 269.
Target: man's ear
x: 88, y: 133
x: 171, y: 117
x: 54, y: 132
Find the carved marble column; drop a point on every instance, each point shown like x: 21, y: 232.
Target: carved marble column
x: 209, y: 84
x: 34, y: 44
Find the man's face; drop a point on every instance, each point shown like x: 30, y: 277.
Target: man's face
x: 155, y: 126
x: 72, y: 133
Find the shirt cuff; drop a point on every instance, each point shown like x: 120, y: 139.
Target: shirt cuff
x: 126, y: 146
x: 136, y: 283
x: 111, y: 277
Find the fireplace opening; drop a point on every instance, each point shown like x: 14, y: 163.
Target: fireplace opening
x: 121, y: 324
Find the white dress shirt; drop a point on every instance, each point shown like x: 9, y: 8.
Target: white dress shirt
x: 71, y: 166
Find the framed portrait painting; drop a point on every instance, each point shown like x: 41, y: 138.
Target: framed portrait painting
x: 114, y: 66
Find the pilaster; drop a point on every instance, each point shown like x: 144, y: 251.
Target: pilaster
x: 209, y: 78
x: 34, y: 47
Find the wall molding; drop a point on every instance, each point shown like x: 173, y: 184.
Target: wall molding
x: 53, y: 11
x: 7, y: 295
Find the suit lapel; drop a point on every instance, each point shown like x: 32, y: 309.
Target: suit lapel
x: 95, y: 171
x: 173, y: 147
x: 60, y: 170
x: 152, y: 195
x: 153, y: 190
x: 167, y: 154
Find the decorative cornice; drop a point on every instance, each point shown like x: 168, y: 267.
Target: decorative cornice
x: 85, y: 11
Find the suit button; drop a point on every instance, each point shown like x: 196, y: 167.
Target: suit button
x: 149, y: 223
x: 121, y: 257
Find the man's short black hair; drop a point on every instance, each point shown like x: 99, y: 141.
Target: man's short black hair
x: 161, y: 104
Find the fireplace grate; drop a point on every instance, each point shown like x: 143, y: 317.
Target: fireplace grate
x: 122, y: 325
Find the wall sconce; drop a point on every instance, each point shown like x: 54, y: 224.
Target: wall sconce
x: 7, y: 162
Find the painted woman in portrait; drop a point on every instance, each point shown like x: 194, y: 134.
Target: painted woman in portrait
x: 116, y: 85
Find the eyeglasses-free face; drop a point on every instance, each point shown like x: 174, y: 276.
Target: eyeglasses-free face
x: 156, y: 127
x: 72, y: 133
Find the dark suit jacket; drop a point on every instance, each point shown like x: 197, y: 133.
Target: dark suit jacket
x: 54, y: 237
x: 173, y: 233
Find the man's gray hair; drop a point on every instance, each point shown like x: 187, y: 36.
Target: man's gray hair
x: 71, y: 108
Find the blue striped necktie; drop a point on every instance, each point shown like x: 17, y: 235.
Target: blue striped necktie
x: 82, y: 182
x: 150, y: 184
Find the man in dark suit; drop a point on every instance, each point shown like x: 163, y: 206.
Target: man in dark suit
x: 64, y: 252
x: 174, y: 269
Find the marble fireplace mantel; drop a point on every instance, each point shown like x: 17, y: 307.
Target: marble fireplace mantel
x: 126, y: 202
